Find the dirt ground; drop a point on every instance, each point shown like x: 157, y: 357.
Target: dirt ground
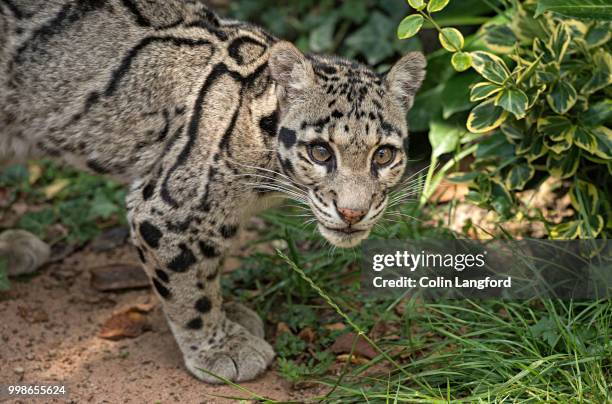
x: 49, y: 326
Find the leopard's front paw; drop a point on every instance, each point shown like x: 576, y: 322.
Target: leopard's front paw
x: 238, y: 357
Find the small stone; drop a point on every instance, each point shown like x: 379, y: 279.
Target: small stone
x: 110, y: 239
x: 118, y: 276
x: 19, y: 370
x: 30, y: 356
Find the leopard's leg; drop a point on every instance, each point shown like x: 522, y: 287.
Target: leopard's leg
x: 184, y: 267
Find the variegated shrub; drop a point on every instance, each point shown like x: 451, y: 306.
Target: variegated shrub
x: 542, y: 109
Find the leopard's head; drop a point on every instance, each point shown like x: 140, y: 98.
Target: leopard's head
x: 343, y: 135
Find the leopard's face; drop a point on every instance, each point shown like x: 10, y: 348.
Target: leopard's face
x: 343, y: 136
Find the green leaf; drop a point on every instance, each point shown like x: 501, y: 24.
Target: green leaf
x: 560, y: 40
x: 584, y: 139
x: 436, y: 5
x: 483, y: 90
x: 455, y: 96
x: 495, y: 147
x: 410, y: 26
x: 417, y: 4
x: 513, y: 100
x: 501, y: 200
x: 563, y: 165
x: 565, y: 231
x: 598, y: 113
x: 490, y: 67
x: 461, y: 61
x: 603, y: 137
x: 485, y: 116
x: 593, y: 9
x: 557, y: 146
x: 562, y: 97
x: 591, y: 227
x: 451, y: 39
x: 444, y: 137
x: 460, y: 177
x: 602, y: 74
x: 519, y: 174
x: 513, y: 129
x: 598, y: 35
x: 556, y: 127
x: 499, y: 38
x: 533, y: 94
x: 532, y: 147
x: 585, y: 197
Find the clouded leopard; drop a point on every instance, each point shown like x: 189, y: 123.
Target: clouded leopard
x: 205, y: 118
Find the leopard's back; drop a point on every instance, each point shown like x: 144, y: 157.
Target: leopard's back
x: 115, y: 85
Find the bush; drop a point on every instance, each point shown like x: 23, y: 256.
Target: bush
x: 539, y: 105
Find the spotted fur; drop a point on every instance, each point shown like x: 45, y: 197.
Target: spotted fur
x: 205, y: 119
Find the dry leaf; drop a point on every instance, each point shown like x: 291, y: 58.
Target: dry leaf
x: 307, y: 334
x: 126, y: 324
x: 344, y: 344
x: 282, y: 328
x: 355, y: 359
x: 334, y: 326
x: 55, y: 187
x: 34, y: 172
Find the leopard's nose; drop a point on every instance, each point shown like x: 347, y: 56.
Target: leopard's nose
x: 351, y: 216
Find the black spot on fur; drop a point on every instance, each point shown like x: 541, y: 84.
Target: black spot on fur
x: 193, y: 348
x: 337, y: 114
x: 200, y: 285
x: 161, y: 289
x: 269, y: 124
x: 287, y: 137
x: 97, y: 167
x: 287, y: 166
x: 150, y: 234
x: 162, y: 275
x: 147, y: 191
x: 195, y: 324
x: 203, y: 304
x: 183, y: 260
x: 141, y: 255
x: 228, y: 231
x: 208, y: 250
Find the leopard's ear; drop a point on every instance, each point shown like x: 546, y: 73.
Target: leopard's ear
x: 290, y: 68
x: 405, y: 77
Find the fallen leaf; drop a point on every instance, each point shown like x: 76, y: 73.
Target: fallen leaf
x: 34, y: 172
x: 129, y: 323
x: 355, y: 359
x: 118, y: 276
x: 55, y: 187
x: 282, y: 328
x: 334, y: 326
x: 307, y: 334
x: 344, y: 344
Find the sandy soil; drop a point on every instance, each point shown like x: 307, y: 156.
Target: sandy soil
x: 49, y: 329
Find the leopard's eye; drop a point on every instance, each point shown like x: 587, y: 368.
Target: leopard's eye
x: 320, y: 153
x: 384, y: 155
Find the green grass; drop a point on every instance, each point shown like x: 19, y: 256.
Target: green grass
x: 459, y: 351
